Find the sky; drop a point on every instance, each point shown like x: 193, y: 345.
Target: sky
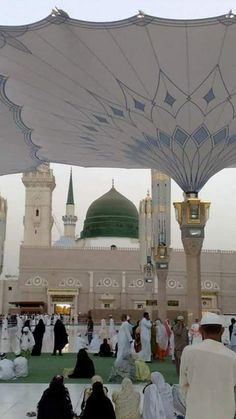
x: 89, y: 184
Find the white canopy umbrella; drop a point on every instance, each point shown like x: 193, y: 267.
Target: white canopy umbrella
x: 143, y: 92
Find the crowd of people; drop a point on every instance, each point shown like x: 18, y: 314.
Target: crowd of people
x: 160, y: 401
x: 205, y: 366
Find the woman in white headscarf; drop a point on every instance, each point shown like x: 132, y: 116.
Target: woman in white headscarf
x: 103, y: 333
x: 165, y: 392
x: 127, y: 401
x: 95, y: 344
x: 161, y: 339
x: 152, y: 404
x: 179, y: 402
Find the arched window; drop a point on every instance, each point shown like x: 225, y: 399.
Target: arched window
x: 37, y: 212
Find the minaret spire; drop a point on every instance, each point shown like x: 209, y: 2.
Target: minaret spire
x: 70, y: 218
x: 70, y: 196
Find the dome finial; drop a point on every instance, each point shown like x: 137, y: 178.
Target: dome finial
x: 113, y: 183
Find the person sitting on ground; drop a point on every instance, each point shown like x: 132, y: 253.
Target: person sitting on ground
x: 55, y: 402
x: 127, y: 401
x: 84, y: 367
x: 88, y: 391
x: 179, y: 403
x: 20, y: 365
x: 123, y: 367
x: 142, y: 371
x: 152, y: 404
x: 98, y: 404
x: 105, y: 349
x: 165, y: 391
x: 6, y: 368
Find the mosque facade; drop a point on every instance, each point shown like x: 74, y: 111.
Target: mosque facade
x: 103, y: 269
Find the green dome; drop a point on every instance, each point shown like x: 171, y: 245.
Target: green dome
x: 111, y: 215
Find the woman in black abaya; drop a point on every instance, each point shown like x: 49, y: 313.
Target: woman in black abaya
x: 84, y: 367
x: 38, y: 337
x: 60, y: 337
x: 98, y: 404
x: 55, y: 402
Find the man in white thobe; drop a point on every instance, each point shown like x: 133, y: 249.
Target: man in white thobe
x: 20, y: 365
x: 112, y: 330
x: 145, y: 336
x: 194, y: 332
x: 208, y: 374
x: 124, y: 338
x: 6, y: 368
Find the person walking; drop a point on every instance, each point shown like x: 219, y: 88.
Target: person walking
x: 60, y: 337
x: 38, y: 334
x: 231, y: 326
x: 124, y: 338
x: 208, y: 374
x: 90, y: 327
x: 180, y: 340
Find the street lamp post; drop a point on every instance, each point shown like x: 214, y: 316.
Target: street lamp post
x: 192, y: 215
x: 149, y: 278
x: 161, y: 254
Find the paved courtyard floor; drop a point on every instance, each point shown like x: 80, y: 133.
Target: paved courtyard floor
x: 22, y: 395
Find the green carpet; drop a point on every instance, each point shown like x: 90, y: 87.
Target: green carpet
x: 44, y: 367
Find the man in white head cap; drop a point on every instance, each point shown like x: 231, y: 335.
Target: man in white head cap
x: 208, y: 374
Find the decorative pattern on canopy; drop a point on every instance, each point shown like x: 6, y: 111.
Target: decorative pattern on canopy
x: 143, y: 92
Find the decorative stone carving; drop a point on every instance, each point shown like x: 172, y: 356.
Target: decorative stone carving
x: 210, y: 285
x: 107, y: 297
x: 70, y: 282
x: 107, y: 282
x: 62, y: 283
x: 139, y: 283
x: 172, y: 283
x: 37, y: 281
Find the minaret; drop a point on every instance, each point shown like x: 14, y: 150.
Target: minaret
x: 38, y: 220
x: 161, y: 207
x: 3, y: 220
x: 145, y: 230
x: 70, y: 218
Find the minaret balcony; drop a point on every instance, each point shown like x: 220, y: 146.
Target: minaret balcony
x: 69, y: 219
